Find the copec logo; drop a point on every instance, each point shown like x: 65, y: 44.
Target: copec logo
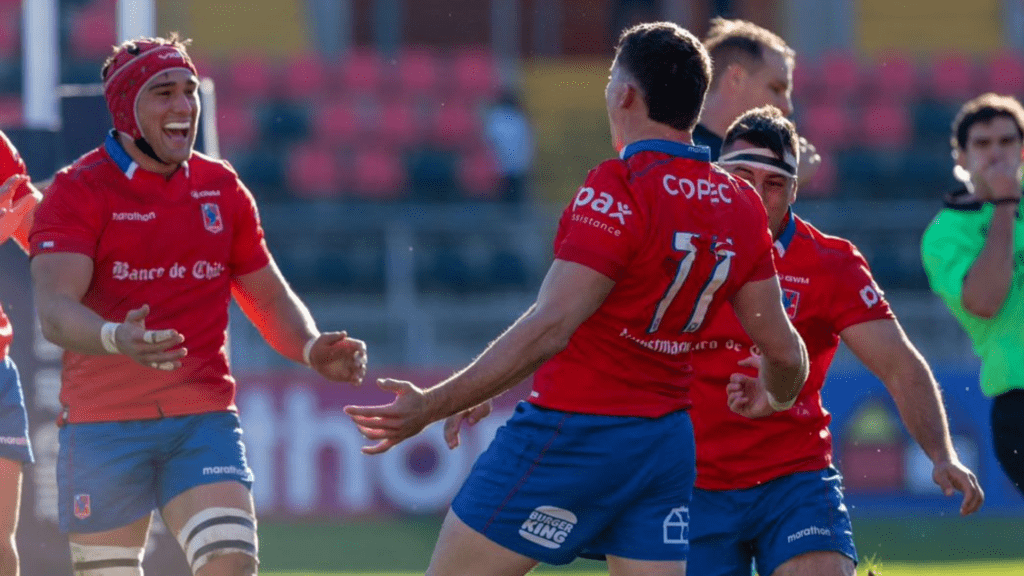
x: 548, y: 526
x: 701, y: 188
x: 305, y: 455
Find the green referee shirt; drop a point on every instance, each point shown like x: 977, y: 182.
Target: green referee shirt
x: 949, y: 247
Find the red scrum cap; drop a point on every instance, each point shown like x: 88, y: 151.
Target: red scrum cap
x: 128, y: 70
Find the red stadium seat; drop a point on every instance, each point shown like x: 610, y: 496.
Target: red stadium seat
x: 478, y: 174
x: 826, y: 125
x: 378, y: 174
x: 824, y: 181
x: 337, y: 123
x: 953, y: 78
x: 10, y: 31
x: 419, y: 71
x: 93, y: 32
x: 455, y: 125
x: 313, y: 172
x: 10, y: 112
x: 806, y: 82
x: 361, y: 72
x: 840, y: 76
x: 892, y: 78
x: 398, y: 124
x: 250, y: 79
x: 1004, y: 74
x: 304, y: 78
x: 887, y: 126
x: 474, y: 73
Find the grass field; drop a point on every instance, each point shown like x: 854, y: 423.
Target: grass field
x: 987, y: 568
x: 919, y: 546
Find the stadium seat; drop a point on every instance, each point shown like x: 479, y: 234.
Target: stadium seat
x: 304, y: 78
x: 250, y: 79
x: 824, y: 181
x: 313, y: 172
x: 10, y: 32
x: 886, y: 125
x: 892, y: 78
x: 399, y: 124
x: 419, y: 71
x: 825, y: 125
x: 10, y: 111
x: 953, y: 78
x: 432, y: 174
x: 474, y: 73
x: 377, y: 174
x: 1004, y: 74
x: 361, y: 72
x: 478, y: 175
x: 92, y: 32
x: 337, y: 122
x: 806, y: 81
x: 840, y: 76
x: 455, y: 125
x: 284, y: 122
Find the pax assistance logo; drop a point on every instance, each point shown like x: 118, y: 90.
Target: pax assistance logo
x: 548, y: 526
x: 211, y: 217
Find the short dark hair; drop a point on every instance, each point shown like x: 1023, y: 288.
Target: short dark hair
x: 984, y: 108
x: 764, y: 127
x: 672, y: 68
x: 741, y: 42
x: 173, y: 39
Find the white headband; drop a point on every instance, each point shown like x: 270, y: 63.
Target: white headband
x: 762, y: 158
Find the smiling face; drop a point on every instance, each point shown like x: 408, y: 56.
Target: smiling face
x: 167, y: 113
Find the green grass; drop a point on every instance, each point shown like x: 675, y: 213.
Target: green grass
x: 939, y: 546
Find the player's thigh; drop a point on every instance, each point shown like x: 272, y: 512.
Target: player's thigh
x: 10, y: 496
x: 1008, y: 434
x: 800, y: 514
x: 215, y: 525
x: 628, y: 567
x: 462, y: 551
x: 122, y: 547
x: 817, y: 564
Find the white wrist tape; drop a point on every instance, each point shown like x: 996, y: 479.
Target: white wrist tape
x: 308, y: 349
x: 780, y: 406
x: 108, y: 338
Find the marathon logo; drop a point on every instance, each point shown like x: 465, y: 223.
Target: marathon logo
x: 809, y: 531
x: 229, y: 470
x: 132, y: 216
x: 14, y: 440
x: 548, y: 526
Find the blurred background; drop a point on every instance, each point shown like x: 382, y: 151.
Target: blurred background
x: 411, y: 159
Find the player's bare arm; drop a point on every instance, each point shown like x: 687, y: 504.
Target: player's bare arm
x: 884, y: 348
x: 988, y: 281
x: 286, y: 324
x: 60, y: 280
x: 568, y: 296
x: 784, y: 364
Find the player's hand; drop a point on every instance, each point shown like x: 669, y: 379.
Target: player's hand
x: 406, y: 416
x: 154, y: 348
x: 999, y: 180
x: 955, y: 477
x: 746, y: 394
x: 13, y: 213
x: 470, y: 417
x: 340, y: 358
x: 810, y: 161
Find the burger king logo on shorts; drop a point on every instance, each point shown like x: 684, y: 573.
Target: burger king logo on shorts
x: 548, y: 526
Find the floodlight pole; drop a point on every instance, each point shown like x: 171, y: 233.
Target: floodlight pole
x: 40, y: 51
x: 135, y: 18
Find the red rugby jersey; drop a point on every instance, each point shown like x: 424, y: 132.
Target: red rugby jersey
x: 827, y: 287
x: 678, y: 236
x: 10, y: 164
x: 175, y: 244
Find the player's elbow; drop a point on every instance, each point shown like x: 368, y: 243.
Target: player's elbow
x: 984, y: 310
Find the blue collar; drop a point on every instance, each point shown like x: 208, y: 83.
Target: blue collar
x: 782, y: 244
x: 688, y: 151
x: 119, y: 155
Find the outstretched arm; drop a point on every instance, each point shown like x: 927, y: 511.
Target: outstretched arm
x: 884, y: 348
x: 569, y: 295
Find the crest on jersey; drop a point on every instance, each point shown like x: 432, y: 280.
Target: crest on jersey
x: 211, y: 217
x: 83, y: 507
x: 790, y: 301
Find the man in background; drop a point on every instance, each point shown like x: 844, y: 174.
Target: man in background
x: 973, y: 253
x: 753, y: 67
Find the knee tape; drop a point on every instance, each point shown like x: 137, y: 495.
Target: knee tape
x: 105, y: 560
x: 216, y: 531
